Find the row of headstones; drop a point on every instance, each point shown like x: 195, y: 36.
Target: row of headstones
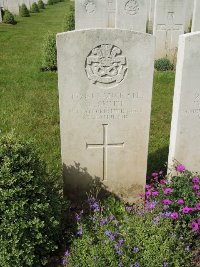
x: 166, y: 18
x: 105, y: 91
x: 14, y: 5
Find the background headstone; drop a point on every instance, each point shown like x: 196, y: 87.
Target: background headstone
x: 111, y: 13
x: 150, y: 15
x: 91, y: 14
x: 169, y: 23
x: 188, y: 15
x: 196, y: 17
x: 131, y: 15
x: 185, y: 130
x: 105, y: 88
x: 12, y: 6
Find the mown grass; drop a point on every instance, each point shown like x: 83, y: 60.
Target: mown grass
x: 29, y: 97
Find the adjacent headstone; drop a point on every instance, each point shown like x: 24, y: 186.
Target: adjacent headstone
x: 185, y: 130
x: 105, y: 88
x: 91, y: 14
x: 168, y: 25
x: 196, y: 17
x: 189, y: 15
x: 131, y: 15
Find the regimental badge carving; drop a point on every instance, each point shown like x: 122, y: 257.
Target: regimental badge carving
x: 106, y: 66
x: 90, y: 6
x: 132, y: 7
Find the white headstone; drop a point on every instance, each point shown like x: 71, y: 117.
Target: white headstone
x: 196, y: 17
x: 185, y: 130
x: 91, y: 14
x: 105, y: 88
x: 169, y: 23
x: 188, y: 15
x: 131, y: 15
x: 150, y: 15
x: 12, y: 6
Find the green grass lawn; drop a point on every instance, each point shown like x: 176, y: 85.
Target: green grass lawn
x: 29, y: 98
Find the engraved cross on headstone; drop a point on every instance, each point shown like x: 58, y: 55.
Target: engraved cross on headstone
x: 105, y: 146
x: 169, y: 28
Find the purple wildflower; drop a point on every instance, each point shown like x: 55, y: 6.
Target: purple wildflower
x: 180, y: 168
x: 167, y: 214
x: 111, y: 217
x: 163, y: 181
x: 80, y: 231
x: 168, y: 191
x: 137, y: 264
x: 135, y: 249
x: 154, y: 174
x: 148, y: 193
x: 195, y: 187
x: 195, y: 179
x: 195, y: 226
x: 187, y: 248
x: 107, y: 232
x: 66, y: 253
x: 167, y: 201
x: 119, y: 251
x: 165, y: 263
x: 198, y: 206
x: 180, y: 201
x: 174, y: 215
x: 103, y: 221
x: 155, y: 193
x: 120, y: 242
x: 198, y: 220
x: 186, y: 210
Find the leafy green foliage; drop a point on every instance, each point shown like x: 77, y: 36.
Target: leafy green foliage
x: 69, y: 20
x: 41, y: 4
x: 31, y: 206
x: 49, y: 53
x: 35, y: 8
x: 163, y: 64
x: 23, y: 11
x: 50, y: 2
x: 110, y: 234
x: 8, y: 18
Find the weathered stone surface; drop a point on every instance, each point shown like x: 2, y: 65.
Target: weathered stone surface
x: 185, y: 130
x: 91, y: 14
x: 169, y: 23
x: 131, y: 15
x: 105, y: 88
x: 111, y: 8
x: 196, y: 17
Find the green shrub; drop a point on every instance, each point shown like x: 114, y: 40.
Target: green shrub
x: 163, y: 64
x: 69, y: 21
x: 35, y: 8
x: 23, y: 11
x: 31, y: 206
x: 41, y: 4
x: 50, y: 2
x: 8, y: 18
x: 49, y: 53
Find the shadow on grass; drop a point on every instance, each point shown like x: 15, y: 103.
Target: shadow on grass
x: 157, y: 161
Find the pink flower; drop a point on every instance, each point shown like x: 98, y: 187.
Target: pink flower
x: 155, y: 193
x: 167, y: 201
x: 198, y: 206
x: 198, y: 220
x: 180, y: 202
x: 195, y: 187
x: 180, y: 168
x: 187, y: 210
x: 195, y: 179
x: 174, y: 215
x: 162, y: 181
x: 148, y: 193
x: 198, y: 194
x: 195, y: 226
x: 154, y: 174
x: 168, y: 191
